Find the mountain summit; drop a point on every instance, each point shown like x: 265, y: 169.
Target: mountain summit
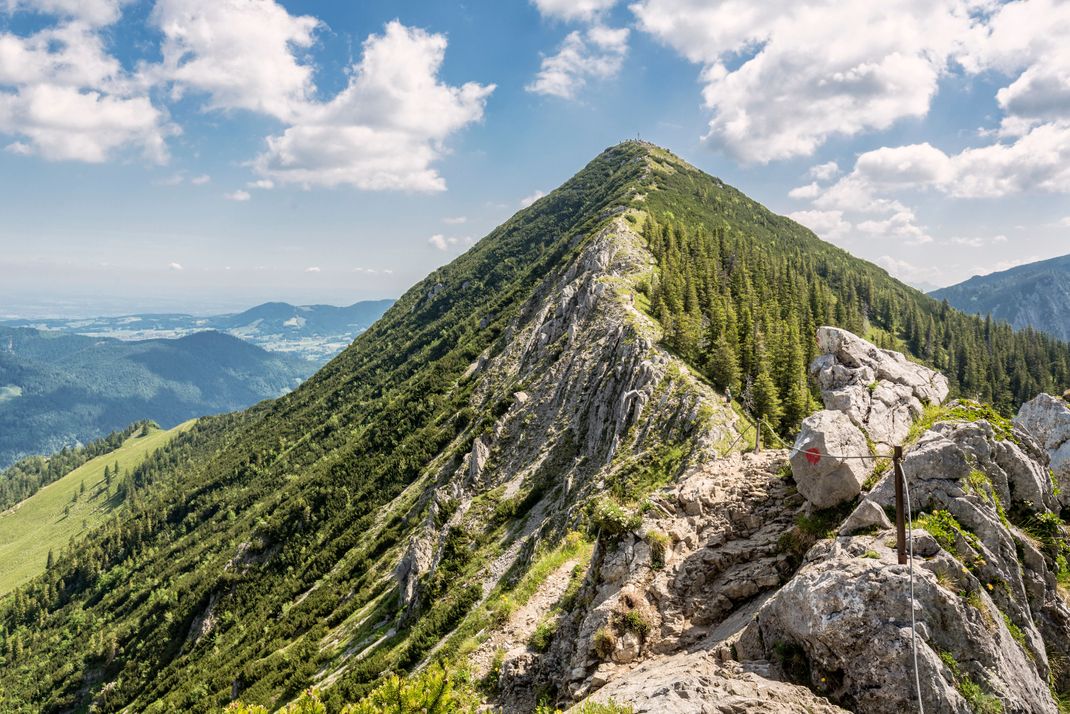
x: 476, y: 479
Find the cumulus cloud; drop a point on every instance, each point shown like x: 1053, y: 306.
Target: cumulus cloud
x: 66, y: 98
x: 238, y: 195
x: 265, y: 184
x: 901, y: 226
x: 240, y: 53
x: 441, y: 242
x: 90, y: 12
x: 312, y: 269
x: 825, y: 171
x: 594, y: 54
x: 175, y: 266
x: 573, y: 9
x: 810, y: 190
x: 200, y: 180
x: 910, y: 273
x: 386, y: 128
x: 803, y: 79
x: 530, y: 199
x: 829, y: 225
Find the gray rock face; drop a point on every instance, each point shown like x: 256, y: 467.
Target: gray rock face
x: 698, y: 683
x: 865, y: 516
x: 881, y: 391
x: 822, y: 476
x: 985, y: 595
x: 1047, y: 419
x: 846, y: 619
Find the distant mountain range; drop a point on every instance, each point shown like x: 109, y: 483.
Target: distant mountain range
x: 59, y: 389
x: 314, y: 332
x: 1034, y: 295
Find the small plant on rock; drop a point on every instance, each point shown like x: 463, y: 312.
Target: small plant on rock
x: 604, y: 642
x: 659, y: 546
x: 612, y: 519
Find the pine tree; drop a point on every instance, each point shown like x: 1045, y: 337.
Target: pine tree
x: 724, y: 366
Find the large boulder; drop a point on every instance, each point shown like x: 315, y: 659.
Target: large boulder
x: 881, y: 391
x: 1047, y: 420
x: 843, y: 627
x: 825, y: 460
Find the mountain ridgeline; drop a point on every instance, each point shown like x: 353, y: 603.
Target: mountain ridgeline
x: 1035, y: 295
x: 506, y: 419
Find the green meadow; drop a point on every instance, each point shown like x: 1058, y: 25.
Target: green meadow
x: 64, y: 509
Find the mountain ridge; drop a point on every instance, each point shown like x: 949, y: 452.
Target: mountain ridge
x: 314, y: 332
x: 1035, y: 295
x: 524, y: 407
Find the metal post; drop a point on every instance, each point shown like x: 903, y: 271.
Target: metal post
x: 758, y: 437
x: 900, y: 509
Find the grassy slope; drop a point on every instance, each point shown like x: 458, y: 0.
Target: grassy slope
x: 31, y: 528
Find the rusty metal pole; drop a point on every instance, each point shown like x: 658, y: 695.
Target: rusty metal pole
x: 900, y: 519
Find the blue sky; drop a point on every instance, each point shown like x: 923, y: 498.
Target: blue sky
x: 203, y: 155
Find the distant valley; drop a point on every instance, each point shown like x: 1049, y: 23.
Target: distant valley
x: 312, y: 332
x: 1035, y: 295
x: 59, y: 390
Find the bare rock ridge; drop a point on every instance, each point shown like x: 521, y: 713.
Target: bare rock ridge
x: 739, y: 590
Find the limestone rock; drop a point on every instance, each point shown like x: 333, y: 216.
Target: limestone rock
x: 821, y: 475
x: 1047, y: 420
x: 881, y: 391
x: 848, y: 619
x: 866, y: 515
x: 697, y: 683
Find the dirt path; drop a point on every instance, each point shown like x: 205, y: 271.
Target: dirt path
x: 522, y: 623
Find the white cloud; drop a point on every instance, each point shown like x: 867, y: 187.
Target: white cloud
x: 175, y: 266
x: 200, y: 180
x: 910, y: 273
x: 810, y: 190
x: 262, y: 184
x: 441, y: 242
x: 68, y: 99
x: 971, y: 242
x: 803, y: 79
x: 825, y: 171
x: 829, y: 225
x: 238, y: 195
x: 597, y: 53
x: 901, y: 226
x: 455, y: 220
x: 386, y: 128
x: 530, y: 199
x: 573, y: 9
x: 90, y: 12
x: 312, y: 269
x: 241, y: 53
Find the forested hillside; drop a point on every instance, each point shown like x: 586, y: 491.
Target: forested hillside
x: 1034, y: 295
x: 508, y: 411
x: 741, y: 291
x: 58, y: 390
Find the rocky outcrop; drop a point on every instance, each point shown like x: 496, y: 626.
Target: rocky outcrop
x: 989, y: 613
x: 1047, y: 418
x: 699, y: 683
x: 825, y: 460
x: 881, y: 391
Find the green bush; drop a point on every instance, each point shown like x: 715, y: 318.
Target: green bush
x: 543, y: 635
x: 659, y: 545
x: 604, y: 642
x: 432, y: 691
x: 609, y: 517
